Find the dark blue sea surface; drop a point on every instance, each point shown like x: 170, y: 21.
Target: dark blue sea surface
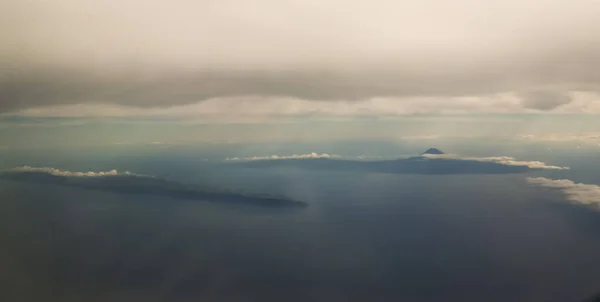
x: 363, y: 237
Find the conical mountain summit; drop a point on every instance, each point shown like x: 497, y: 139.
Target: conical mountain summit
x: 432, y: 151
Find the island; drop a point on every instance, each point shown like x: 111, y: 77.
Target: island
x: 147, y: 185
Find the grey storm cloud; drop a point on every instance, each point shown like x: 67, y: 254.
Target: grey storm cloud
x: 544, y: 100
x: 166, y: 53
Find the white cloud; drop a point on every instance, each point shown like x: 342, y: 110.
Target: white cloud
x: 294, y: 156
x: 58, y: 172
x: 575, y: 192
x: 504, y: 160
x: 307, y: 156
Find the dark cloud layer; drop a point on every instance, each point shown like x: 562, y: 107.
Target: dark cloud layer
x: 544, y: 100
x: 30, y: 88
x: 71, y: 52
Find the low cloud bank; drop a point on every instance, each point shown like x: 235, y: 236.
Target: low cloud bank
x: 293, y: 156
x: 58, y: 172
x: 131, y: 183
x: 503, y: 160
x: 576, y: 192
x: 312, y: 155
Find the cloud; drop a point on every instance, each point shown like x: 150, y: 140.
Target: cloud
x: 173, y: 54
x: 261, y: 109
x: 293, y: 156
x: 503, y: 160
x: 252, y: 107
x: 544, y: 100
x: 131, y: 183
x: 576, y: 192
x: 58, y: 172
x: 312, y: 155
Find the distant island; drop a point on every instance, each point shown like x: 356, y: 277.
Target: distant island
x: 132, y: 184
x: 421, y: 164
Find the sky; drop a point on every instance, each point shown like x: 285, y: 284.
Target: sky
x: 181, y: 72
x: 218, y: 61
